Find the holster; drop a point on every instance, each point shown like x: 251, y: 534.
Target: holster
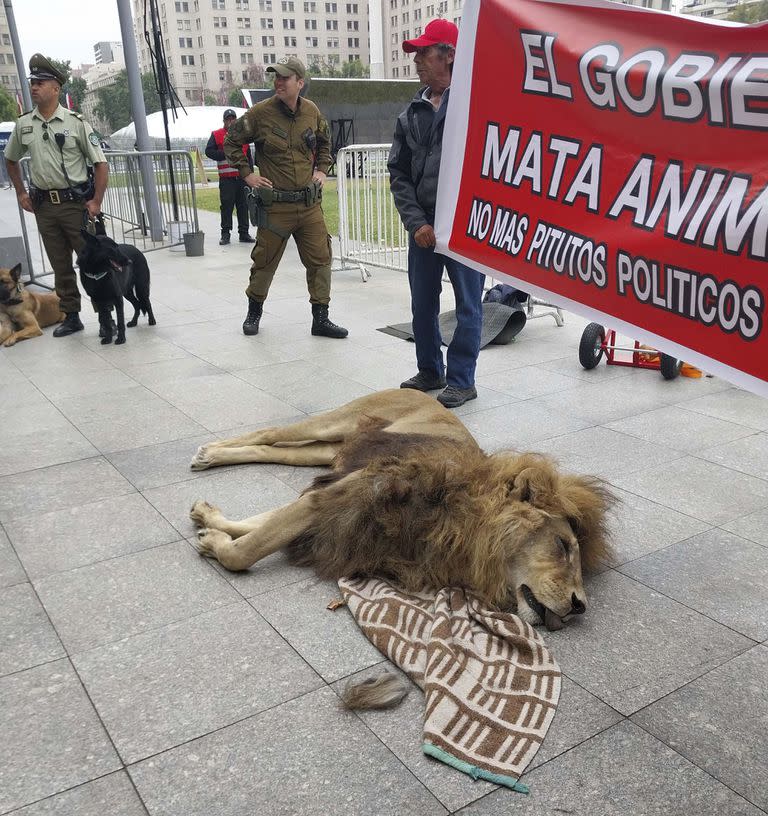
x: 257, y: 212
x: 313, y: 194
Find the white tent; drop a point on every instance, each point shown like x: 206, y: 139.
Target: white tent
x: 191, y: 129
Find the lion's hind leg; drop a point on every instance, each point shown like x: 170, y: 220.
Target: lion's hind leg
x: 312, y: 454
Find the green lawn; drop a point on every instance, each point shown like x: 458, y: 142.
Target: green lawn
x: 208, y: 199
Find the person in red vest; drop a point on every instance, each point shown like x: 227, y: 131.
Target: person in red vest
x: 232, y: 188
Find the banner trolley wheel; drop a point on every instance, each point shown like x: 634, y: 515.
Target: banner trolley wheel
x: 592, y: 345
x: 669, y: 366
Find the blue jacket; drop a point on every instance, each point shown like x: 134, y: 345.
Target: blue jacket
x: 414, y: 161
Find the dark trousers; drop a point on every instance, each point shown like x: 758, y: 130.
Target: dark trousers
x: 425, y: 272
x: 232, y: 196
x: 59, y: 226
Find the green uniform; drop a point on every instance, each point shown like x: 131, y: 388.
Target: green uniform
x: 59, y: 224
x: 289, y: 146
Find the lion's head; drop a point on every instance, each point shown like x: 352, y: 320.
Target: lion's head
x: 554, y: 526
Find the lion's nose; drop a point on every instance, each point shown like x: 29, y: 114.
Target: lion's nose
x: 577, y: 605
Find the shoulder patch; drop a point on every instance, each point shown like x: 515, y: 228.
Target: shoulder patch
x: 26, y: 129
x: 93, y: 139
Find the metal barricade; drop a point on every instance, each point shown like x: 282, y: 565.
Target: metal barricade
x: 370, y: 230
x: 125, y: 204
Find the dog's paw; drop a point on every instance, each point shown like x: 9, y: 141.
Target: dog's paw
x: 202, y: 513
x: 202, y: 460
x: 131, y: 323
x: 207, y: 540
x: 11, y: 341
x: 152, y: 321
x: 105, y: 341
x: 120, y: 340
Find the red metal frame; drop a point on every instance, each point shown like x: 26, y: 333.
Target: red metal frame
x: 641, y: 357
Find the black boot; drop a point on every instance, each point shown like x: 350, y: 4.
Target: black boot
x: 322, y: 326
x: 70, y: 325
x: 224, y: 240
x: 251, y: 324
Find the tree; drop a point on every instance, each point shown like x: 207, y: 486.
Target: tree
x: 355, y: 68
x: 752, y: 13
x: 236, y: 98
x: 9, y: 109
x: 77, y: 87
x: 210, y: 99
x: 114, y: 105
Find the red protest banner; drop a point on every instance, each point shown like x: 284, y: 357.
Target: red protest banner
x: 613, y: 160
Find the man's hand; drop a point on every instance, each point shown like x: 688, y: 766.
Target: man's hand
x: 424, y: 237
x: 26, y: 202
x: 319, y: 177
x: 93, y: 208
x: 255, y: 180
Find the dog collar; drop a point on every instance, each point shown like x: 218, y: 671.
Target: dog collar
x: 92, y: 276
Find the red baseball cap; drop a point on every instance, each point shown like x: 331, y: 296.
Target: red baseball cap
x: 435, y: 32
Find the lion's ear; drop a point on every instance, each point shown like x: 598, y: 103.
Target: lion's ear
x: 589, y: 500
x: 533, y: 485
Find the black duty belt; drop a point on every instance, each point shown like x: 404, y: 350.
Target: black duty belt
x: 292, y: 196
x: 56, y: 196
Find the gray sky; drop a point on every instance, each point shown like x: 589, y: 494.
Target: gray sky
x: 65, y: 29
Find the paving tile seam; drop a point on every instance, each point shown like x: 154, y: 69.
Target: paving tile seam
x: 663, y: 594
x: 617, y: 567
x: 754, y: 428
x: 37, y: 511
x: 727, y: 466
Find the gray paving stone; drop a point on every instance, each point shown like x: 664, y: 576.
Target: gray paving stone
x: 704, y: 490
x: 26, y: 636
x: 113, y: 795
x: 69, y: 538
x: 52, y: 738
x: 240, y: 492
x: 677, y: 428
x: 710, y: 721
x: 28, y: 451
x: 748, y: 455
x: 303, y: 757
x: 605, y: 453
x: 160, y: 465
x: 527, y: 382
x: 638, y: 526
x: 60, y: 385
x: 716, y: 573
x: 734, y: 405
x: 60, y: 487
x: 401, y: 730
x: 619, y: 772
x: 161, y: 372
x: 634, y: 646
x: 754, y: 527
x: 211, y: 671
x: 329, y: 641
x: 266, y: 575
x: 105, y: 602
x: 11, y: 571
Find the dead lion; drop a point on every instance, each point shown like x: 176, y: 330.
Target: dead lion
x: 412, y: 498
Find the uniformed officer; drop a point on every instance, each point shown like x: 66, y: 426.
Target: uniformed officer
x: 61, y: 145
x: 292, y: 145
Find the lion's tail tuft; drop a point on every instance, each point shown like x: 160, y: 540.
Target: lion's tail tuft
x: 385, y: 691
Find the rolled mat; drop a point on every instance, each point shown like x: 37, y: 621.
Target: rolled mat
x: 490, y: 684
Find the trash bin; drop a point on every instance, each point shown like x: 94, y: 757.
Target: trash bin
x: 193, y: 243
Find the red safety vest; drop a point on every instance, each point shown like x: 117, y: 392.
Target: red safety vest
x: 225, y: 168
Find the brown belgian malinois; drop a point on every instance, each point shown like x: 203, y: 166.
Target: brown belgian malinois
x: 24, y: 314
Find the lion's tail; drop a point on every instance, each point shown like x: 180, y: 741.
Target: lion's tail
x: 385, y: 691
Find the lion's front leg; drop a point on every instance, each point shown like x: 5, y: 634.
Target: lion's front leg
x: 254, y: 538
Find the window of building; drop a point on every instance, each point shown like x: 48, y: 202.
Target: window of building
x: 219, y: 4
x: 406, y: 70
x: 352, y: 8
x: 289, y: 42
x: 265, y: 5
x: 353, y: 42
x: 310, y: 7
x: 223, y: 58
x: 267, y: 22
x: 393, y: 20
x: 395, y: 72
x: 185, y: 42
x: 247, y: 41
x: 395, y: 37
x: 219, y: 22
x: 269, y: 59
x: 243, y: 22
x: 333, y: 59
x: 310, y: 25
x: 393, y: 4
x: 182, y: 8
x: 268, y: 40
x: 289, y: 23
x: 332, y: 42
x: 430, y: 11
x: 407, y: 34
x: 287, y: 5
x: 187, y: 59
x: 417, y: 14
x: 405, y: 16
x: 395, y: 55
x: 222, y: 39
x: 330, y: 8
x: 222, y: 76
x: 311, y: 42
x: 353, y: 25
x: 246, y: 59
x: 242, y: 5
x: 354, y: 57
x: 2, y: 59
x: 180, y: 25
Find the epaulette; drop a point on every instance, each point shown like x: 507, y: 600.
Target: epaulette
x: 76, y: 115
x: 26, y: 113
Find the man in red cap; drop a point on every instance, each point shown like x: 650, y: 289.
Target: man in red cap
x: 414, y: 162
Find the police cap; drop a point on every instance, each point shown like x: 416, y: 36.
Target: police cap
x: 41, y: 67
x: 290, y: 66
x: 229, y: 114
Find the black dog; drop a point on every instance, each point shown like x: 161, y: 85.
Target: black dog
x: 110, y: 271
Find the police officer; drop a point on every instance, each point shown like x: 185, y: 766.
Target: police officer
x: 231, y: 186
x: 61, y: 145
x: 292, y: 145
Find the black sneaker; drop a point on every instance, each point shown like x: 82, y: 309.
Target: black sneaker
x: 452, y: 397
x: 70, y: 325
x: 246, y: 239
x: 224, y: 240
x: 424, y: 381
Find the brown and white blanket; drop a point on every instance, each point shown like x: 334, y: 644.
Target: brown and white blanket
x: 490, y: 684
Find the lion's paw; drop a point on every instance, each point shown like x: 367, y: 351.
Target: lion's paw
x: 202, y: 460
x: 202, y: 512
x: 207, y: 540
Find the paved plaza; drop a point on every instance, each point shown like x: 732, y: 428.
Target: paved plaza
x: 138, y: 678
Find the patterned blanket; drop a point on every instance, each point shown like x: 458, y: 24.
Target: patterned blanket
x: 490, y: 684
